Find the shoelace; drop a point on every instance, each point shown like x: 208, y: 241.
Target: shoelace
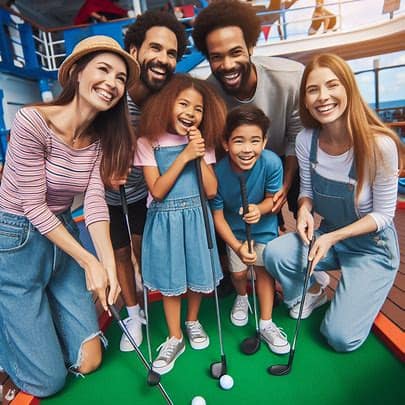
x: 241, y: 304
x: 167, y: 349
x: 138, y: 319
x: 195, y: 330
x: 276, y: 329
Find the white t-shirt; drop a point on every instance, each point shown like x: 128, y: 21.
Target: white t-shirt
x: 378, y: 199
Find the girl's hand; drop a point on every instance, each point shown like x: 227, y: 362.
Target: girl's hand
x: 253, y: 215
x: 320, y: 248
x: 305, y: 225
x: 245, y: 256
x: 196, y: 145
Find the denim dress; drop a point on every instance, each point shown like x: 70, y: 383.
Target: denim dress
x: 175, y: 254
x: 368, y: 263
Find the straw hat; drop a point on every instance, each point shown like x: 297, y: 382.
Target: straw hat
x: 94, y: 44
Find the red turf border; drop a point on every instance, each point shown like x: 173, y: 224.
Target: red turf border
x: 391, y: 335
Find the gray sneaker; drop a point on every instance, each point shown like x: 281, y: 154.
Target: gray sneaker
x: 240, y: 310
x: 197, y: 335
x: 169, y: 351
x: 275, y: 338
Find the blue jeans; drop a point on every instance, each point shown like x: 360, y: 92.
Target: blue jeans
x: 365, y: 282
x: 46, y: 312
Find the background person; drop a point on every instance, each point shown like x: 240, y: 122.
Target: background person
x: 157, y: 40
x: 57, y: 150
x: 349, y: 166
x: 99, y: 11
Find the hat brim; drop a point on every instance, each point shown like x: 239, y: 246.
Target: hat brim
x: 131, y: 63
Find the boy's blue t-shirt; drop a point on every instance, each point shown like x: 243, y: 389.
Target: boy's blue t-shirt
x: 265, y: 176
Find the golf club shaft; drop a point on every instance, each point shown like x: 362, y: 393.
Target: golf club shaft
x: 245, y: 206
x: 304, y: 291
x: 124, y: 203
x: 210, y: 248
x: 124, y: 329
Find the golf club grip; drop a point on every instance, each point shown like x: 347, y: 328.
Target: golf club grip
x: 123, y: 199
x: 204, y: 208
x: 114, y: 312
x: 245, y: 206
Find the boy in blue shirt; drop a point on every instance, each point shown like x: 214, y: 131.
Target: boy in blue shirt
x: 244, y: 142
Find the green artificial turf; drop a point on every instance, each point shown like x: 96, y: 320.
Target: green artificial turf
x: 370, y: 375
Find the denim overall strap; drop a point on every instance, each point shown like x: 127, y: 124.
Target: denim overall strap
x: 186, y: 184
x: 333, y: 200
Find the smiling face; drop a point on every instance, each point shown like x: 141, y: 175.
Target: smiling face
x: 229, y: 58
x: 157, y: 57
x: 102, y: 81
x: 245, y: 146
x: 187, y: 111
x: 325, y: 96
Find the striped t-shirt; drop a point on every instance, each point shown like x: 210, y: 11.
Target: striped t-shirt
x: 43, y: 174
x: 135, y: 186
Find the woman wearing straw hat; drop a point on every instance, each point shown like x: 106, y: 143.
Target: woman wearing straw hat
x: 70, y: 146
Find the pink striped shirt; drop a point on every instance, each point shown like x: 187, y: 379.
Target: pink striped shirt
x: 42, y: 174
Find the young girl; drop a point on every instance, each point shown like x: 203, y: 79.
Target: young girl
x: 244, y: 141
x: 349, y: 175
x: 48, y: 321
x: 178, y: 126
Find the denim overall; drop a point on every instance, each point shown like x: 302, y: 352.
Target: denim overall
x: 175, y: 255
x: 46, y: 312
x: 368, y: 263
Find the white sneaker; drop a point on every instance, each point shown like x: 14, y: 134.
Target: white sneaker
x: 275, y: 338
x: 240, y: 310
x: 134, y: 327
x: 196, y: 335
x: 322, y: 278
x: 169, y: 351
x: 312, y: 301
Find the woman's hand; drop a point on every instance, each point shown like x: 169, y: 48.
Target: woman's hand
x: 196, y: 145
x: 253, y: 215
x: 100, y: 279
x: 320, y: 248
x: 245, y: 256
x: 96, y: 279
x: 305, y: 224
x: 115, y: 288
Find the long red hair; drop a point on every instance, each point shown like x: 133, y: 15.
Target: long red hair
x: 362, y: 123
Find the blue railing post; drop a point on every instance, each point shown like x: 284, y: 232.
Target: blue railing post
x: 3, y: 132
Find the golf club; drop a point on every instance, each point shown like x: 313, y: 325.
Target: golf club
x: 220, y: 368
x: 124, y: 204
x: 251, y: 344
x: 284, y: 369
x: 153, y: 376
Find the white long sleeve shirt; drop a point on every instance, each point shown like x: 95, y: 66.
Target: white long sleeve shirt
x: 377, y: 199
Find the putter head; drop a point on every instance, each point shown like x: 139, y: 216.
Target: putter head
x: 153, y: 378
x: 250, y: 345
x: 218, y: 369
x: 279, y: 369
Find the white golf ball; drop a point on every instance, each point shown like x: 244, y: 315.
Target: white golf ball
x: 226, y: 382
x: 198, y: 400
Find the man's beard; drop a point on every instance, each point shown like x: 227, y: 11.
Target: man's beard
x: 155, y: 85
x: 244, y: 69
